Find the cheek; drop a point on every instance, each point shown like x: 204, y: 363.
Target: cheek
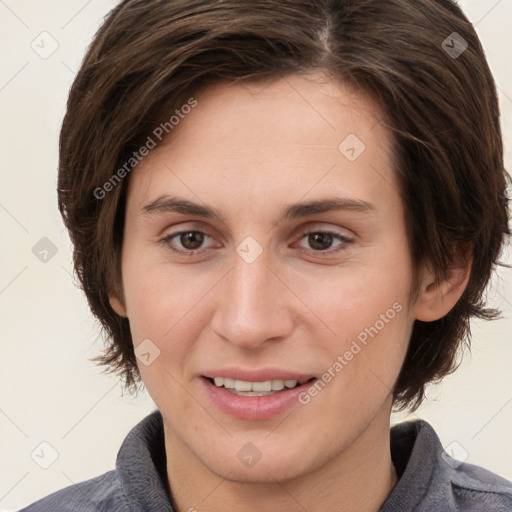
x: 170, y: 308
x: 366, y: 310
x: 350, y: 299
x: 146, y: 301
x: 158, y: 297
x: 364, y: 357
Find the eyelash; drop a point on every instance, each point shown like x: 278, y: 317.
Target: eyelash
x: 166, y: 241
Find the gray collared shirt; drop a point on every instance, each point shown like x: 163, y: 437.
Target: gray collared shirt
x: 430, y: 480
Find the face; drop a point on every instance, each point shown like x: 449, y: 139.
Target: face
x: 266, y: 243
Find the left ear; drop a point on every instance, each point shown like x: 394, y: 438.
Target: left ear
x: 436, y: 299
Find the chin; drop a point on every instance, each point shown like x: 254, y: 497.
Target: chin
x: 271, y: 471
x: 260, y: 461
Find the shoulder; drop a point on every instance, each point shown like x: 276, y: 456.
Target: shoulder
x: 476, y: 488
x: 102, y: 493
x: 432, y: 480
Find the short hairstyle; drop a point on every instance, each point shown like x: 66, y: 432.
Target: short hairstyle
x: 439, y: 100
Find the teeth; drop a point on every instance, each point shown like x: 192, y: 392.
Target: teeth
x: 242, y: 385
x: 228, y: 383
x: 277, y: 385
x: 268, y: 385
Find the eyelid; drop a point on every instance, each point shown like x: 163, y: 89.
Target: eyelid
x: 326, y: 232
x: 167, y: 237
x: 325, y: 227
x: 344, y: 240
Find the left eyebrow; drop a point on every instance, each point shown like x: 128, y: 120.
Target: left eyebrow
x: 331, y: 204
x: 180, y: 205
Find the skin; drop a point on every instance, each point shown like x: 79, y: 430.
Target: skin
x: 249, y: 152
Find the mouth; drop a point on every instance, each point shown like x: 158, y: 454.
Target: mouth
x: 256, y: 399
x: 257, y: 388
x: 254, y: 394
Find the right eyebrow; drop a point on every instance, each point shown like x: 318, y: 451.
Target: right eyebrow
x: 183, y: 206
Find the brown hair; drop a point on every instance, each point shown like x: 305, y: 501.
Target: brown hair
x: 150, y: 56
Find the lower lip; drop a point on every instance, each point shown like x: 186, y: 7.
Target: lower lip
x: 255, y: 407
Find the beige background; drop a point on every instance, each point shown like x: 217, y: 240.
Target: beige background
x: 49, y: 391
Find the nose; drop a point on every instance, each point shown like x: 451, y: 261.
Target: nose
x: 254, y: 305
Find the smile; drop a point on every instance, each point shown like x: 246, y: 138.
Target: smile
x: 262, y: 388
x: 254, y: 400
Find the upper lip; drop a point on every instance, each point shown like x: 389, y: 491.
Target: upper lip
x: 256, y: 375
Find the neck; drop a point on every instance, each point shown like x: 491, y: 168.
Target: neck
x: 341, y: 485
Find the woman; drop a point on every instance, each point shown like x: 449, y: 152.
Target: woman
x: 284, y: 215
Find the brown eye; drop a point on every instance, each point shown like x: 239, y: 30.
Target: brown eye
x: 320, y: 241
x: 188, y: 242
x: 191, y: 240
x: 324, y: 242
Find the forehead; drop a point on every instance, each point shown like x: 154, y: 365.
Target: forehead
x: 305, y: 109
x: 293, y: 133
